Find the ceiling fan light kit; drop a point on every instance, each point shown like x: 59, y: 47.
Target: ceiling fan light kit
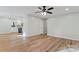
x: 43, y: 13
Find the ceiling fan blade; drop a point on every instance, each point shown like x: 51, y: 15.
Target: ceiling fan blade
x: 40, y: 8
x: 51, y: 8
x: 38, y: 11
x: 49, y: 12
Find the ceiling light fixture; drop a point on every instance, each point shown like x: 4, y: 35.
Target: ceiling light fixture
x: 43, y: 13
x: 67, y: 9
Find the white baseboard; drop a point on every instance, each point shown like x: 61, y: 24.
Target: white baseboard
x: 64, y: 37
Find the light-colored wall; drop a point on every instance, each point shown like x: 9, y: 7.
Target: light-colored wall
x: 5, y: 26
x: 25, y: 26
x: 66, y: 26
x: 31, y: 25
x: 35, y: 26
x: 44, y: 26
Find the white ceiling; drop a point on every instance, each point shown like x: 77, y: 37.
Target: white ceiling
x: 24, y: 10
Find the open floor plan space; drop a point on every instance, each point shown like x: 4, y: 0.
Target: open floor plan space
x: 39, y: 28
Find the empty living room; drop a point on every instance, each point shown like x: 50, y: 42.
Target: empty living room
x: 39, y: 29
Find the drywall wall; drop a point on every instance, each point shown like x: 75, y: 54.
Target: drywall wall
x: 25, y: 26
x: 5, y: 26
x: 35, y: 26
x: 31, y: 25
x: 44, y: 26
x: 66, y: 26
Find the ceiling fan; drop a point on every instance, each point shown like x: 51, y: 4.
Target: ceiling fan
x: 44, y: 10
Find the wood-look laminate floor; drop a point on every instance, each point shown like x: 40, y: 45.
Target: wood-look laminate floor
x: 12, y: 42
